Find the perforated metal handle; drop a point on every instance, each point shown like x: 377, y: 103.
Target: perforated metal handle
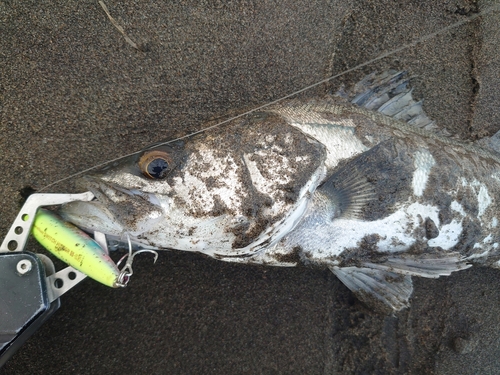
x: 19, y: 231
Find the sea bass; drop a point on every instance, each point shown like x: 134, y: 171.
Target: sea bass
x: 368, y: 187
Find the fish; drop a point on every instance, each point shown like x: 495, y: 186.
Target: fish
x: 362, y: 182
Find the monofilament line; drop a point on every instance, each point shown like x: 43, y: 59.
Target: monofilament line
x: 378, y: 58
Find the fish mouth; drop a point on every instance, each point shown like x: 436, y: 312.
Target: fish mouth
x: 92, y: 216
x: 115, y: 210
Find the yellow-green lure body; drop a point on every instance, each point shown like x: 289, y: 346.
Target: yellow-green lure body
x: 74, y: 247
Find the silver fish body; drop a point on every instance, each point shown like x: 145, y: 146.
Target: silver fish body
x: 370, y: 196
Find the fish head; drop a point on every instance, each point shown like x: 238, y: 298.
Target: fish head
x: 132, y: 194
x: 228, y: 192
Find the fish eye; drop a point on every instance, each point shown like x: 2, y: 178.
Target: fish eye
x: 155, y: 164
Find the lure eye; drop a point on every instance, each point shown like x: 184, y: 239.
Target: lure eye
x: 155, y: 164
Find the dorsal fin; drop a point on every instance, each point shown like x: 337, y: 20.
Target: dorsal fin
x: 389, y: 93
x: 491, y: 143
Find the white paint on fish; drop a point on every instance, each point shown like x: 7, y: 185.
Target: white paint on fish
x: 342, y: 143
x: 423, y: 163
x: 455, y: 206
x: 449, y: 235
x: 483, y: 199
x: 393, y: 230
x: 481, y: 191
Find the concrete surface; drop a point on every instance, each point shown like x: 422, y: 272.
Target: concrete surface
x: 74, y: 94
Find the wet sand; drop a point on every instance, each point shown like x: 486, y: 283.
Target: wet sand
x: 74, y: 94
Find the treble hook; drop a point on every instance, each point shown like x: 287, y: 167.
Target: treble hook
x: 126, y: 272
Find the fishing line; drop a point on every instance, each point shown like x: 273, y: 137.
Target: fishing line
x: 318, y: 83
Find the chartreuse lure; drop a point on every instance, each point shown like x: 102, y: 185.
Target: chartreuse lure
x: 75, y: 247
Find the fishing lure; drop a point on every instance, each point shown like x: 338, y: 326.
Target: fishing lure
x: 76, y: 248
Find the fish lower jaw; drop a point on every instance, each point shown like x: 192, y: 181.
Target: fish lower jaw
x: 91, y: 216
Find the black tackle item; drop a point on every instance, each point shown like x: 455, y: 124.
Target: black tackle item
x: 24, y: 301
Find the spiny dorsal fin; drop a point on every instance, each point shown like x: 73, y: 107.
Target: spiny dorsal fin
x: 491, y: 143
x: 389, y: 93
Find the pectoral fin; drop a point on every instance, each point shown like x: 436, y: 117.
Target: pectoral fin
x: 350, y: 191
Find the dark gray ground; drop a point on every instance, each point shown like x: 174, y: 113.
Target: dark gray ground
x: 74, y: 94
